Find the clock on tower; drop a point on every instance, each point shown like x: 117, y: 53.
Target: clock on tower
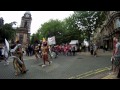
x: 27, y: 15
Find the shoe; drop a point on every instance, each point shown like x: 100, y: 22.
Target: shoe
x: 50, y: 62
x: 6, y: 63
x: 25, y: 72
x: 43, y: 65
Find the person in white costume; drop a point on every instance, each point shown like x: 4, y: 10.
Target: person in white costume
x: 5, y: 53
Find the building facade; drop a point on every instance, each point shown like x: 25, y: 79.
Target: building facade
x: 1, y: 21
x: 23, y: 32
x: 1, y: 24
x: 110, y: 29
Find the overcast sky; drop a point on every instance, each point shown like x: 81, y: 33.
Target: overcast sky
x: 38, y: 17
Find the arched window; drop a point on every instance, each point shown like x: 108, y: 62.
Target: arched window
x: 117, y: 23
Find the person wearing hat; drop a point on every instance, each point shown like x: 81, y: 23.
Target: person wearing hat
x: 45, y: 52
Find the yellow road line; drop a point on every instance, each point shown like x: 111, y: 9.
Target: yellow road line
x: 107, y: 77
x: 90, y: 73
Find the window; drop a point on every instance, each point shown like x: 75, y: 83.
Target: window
x: 117, y: 23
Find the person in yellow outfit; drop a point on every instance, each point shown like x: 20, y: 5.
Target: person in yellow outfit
x: 45, y: 52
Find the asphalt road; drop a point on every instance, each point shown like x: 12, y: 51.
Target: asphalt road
x: 64, y: 67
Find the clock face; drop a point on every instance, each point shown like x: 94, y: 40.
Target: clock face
x: 27, y: 15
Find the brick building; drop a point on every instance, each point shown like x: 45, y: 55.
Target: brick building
x: 110, y: 28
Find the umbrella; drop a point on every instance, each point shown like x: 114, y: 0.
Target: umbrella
x: 7, y: 44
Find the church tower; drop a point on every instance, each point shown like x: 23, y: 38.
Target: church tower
x: 26, y: 21
x: 23, y: 32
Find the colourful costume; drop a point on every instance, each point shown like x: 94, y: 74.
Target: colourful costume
x: 45, y: 51
x: 19, y: 53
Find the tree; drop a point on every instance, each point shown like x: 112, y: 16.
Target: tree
x: 7, y: 32
x: 79, y: 26
x: 52, y: 28
x: 88, y: 21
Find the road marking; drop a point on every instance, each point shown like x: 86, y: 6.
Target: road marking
x: 92, y: 72
x: 107, y: 77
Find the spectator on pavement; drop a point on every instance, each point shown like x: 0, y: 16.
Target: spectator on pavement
x: 114, y: 48
x: 95, y: 50
x: 117, y: 57
x: 91, y: 49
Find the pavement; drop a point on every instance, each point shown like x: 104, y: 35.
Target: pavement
x: 110, y: 76
x: 107, y: 75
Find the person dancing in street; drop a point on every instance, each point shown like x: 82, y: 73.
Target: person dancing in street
x: 45, y: 52
x: 19, y: 53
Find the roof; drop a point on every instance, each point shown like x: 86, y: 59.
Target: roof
x: 27, y: 12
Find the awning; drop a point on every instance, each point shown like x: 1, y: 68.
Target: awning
x: 74, y: 42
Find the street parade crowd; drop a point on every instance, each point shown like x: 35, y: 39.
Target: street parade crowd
x: 45, y: 51
x: 39, y: 50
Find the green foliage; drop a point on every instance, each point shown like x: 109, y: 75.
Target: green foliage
x: 78, y: 26
x: 51, y: 28
x: 89, y: 21
x: 7, y: 31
